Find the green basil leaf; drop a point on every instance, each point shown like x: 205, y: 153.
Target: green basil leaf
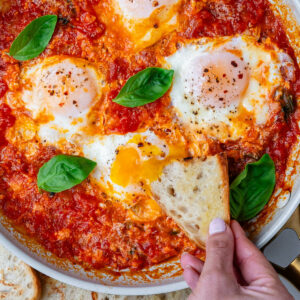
x: 62, y: 172
x: 252, y: 189
x: 33, y: 40
x: 145, y: 87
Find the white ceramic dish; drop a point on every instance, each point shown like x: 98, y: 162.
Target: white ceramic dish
x: 125, y: 285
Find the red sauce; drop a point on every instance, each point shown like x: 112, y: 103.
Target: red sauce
x: 285, y: 136
x: 87, y: 23
x: 221, y: 18
x: 23, y: 12
x: 6, y: 120
x: 124, y: 119
x: 3, y: 88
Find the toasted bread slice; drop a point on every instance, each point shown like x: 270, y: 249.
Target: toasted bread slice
x: 193, y: 193
x: 56, y: 290
x: 17, y: 280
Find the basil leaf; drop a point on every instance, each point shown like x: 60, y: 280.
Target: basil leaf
x: 252, y: 189
x: 145, y: 87
x: 62, y: 172
x: 33, y: 40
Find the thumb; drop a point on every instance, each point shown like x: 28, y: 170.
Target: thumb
x: 217, y: 278
x: 219, y: 248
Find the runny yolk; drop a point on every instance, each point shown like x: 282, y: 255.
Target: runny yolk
x: 141, y: 162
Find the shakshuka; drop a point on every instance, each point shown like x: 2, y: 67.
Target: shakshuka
x: 115, y: 90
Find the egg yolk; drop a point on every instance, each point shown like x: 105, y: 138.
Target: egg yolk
x: 141, y: 162
x: 62, y: 87
x: 145, y: 210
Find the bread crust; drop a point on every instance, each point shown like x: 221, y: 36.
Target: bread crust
x: 37, y: 285
x: 222, y: 157
x: 22, y: 280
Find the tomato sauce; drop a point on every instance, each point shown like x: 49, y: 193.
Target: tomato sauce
x: 6, y: 120
x: 79, y: 224
x: 222, y: 18
x: 285, y: 136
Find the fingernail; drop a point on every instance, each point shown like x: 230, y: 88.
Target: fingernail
x: 188, y: 267
x: 217, y: 225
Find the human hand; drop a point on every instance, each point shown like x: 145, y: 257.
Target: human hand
x: 234, y: 268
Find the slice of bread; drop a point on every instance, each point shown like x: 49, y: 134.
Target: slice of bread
x: 194, y: 192
x: 56, y: 290
x: 17, y: 280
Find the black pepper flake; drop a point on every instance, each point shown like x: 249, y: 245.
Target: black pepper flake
x: 51, y: 194
x: 63, y: 20
x: 188, y: 158
x: 205, y: 70
x: 140, y: 145
x: 233, y: 63
x: 173, y: 232
x: 240, y: 76
x: 221, y: 98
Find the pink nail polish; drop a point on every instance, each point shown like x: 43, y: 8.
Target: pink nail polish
x: 217, y: 225
x: 188, y: 267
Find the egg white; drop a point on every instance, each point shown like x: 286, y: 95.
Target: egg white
x: 147, y: 21
x: 59, y: 92
x: 248, y: 99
